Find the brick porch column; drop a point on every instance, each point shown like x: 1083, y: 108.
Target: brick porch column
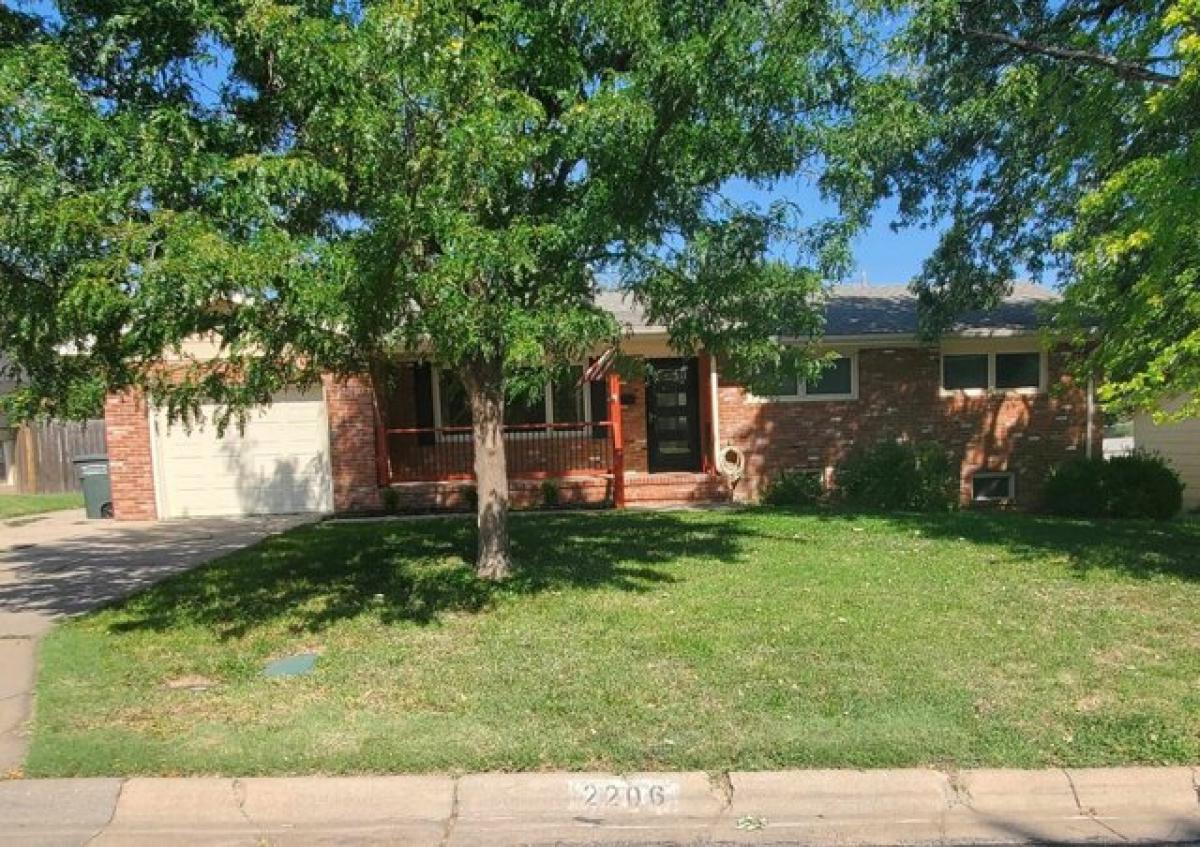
x: 352, y: 443
x: 130, y: 467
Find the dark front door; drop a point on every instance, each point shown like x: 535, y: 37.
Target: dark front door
x: 673, y: 415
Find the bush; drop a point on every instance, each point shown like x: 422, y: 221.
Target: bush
x: 390, y: 498
x: 937, y: 479
x: 1142, y: 485
x: 550, y: 492
x: 794, y: 488
x: 1137, y: 485
x: 1076, y: 489
x: 899, y: 475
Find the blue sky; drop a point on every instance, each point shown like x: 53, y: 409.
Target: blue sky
x: 881, y: 256
x: 884, y: 257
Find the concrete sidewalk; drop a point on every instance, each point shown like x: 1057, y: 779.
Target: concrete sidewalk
x: 1104, y: 806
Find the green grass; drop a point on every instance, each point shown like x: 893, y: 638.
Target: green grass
x: 701, y: 640
x: 16, y: 505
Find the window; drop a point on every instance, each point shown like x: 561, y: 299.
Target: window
x: 526, y: 410
x: 838, y: 380
x: 569, y: 401
x: 992, y: 487
x: 564, y: 401
x: 1018, y: 370
x: 6, y: 451
x: 453, y: 406
x: 980, y: 372
x: 961, y: 373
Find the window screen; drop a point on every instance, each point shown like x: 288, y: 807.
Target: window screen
x: 836, y: 378
x: 1018, y: 370
x: 525, y: 410
x: 567, y: 397
x: 778, y: 384
x: 992, y: 487
x: 965, y: 371
x: 456, y: 410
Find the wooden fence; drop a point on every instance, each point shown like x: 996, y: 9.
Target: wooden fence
x: 44, y: 451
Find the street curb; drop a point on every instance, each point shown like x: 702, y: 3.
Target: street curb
x: 912, y: 807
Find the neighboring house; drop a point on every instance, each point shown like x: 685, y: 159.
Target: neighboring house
x: 989, y: 392
x: 1179, y: 443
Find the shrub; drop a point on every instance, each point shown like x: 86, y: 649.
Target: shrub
x: 794, y: 488
x: 390, y: 498
x: 1142, y: 485
x: 1137, y: 485
x: 1076, y: 489
x: 550, y: 496
x: 470, y: 497
x: 899, y: 475
x: 937, y: 479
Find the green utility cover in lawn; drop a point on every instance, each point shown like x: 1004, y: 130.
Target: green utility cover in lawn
x: 297, y: 665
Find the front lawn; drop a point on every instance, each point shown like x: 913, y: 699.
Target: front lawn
x: 699, y: 640
x: 16, y: 505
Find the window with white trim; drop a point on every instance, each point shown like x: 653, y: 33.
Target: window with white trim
x: 993, y: 487
x: 1019, y: 371
x: 6, y: 462
x: 563, y: 401
x: 838, y: 380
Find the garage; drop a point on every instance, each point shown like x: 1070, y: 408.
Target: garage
x: 1179, y: 443
x: 278, y: 464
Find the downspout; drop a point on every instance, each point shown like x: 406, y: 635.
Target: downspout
x: 1091, y: 415
x: 714, y: 416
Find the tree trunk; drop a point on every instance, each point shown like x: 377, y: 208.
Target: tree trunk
x: 484, y: 382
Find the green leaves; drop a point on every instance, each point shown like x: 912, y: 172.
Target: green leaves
x: 1061, y: 138
x: 312, y: 187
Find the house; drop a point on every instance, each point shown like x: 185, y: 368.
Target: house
x: 989, y: 391
x: 1179, y: 443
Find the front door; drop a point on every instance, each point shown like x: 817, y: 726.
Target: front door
x: 673, y: 415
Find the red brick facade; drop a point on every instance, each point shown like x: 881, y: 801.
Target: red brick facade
x: 899, y: 397
x: 130, y: 466
x: 352, y: 443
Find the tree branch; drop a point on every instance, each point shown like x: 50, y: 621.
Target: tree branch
x: 1124, y: 69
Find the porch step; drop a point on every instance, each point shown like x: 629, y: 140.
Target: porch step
x: 666, y: 489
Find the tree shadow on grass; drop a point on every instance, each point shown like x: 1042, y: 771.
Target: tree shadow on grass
x: 1135, y: 549
x: 416, y: 571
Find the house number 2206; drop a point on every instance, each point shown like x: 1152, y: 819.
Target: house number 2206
x: 623, y: 795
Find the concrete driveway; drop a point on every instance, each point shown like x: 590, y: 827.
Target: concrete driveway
x: 59, y: 564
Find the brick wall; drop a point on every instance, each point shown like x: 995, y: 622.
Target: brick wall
x: 633, y: 426
x: 350, y: 404
x: 899, y: 398
x: 130, y: 467
x: 523, y: 494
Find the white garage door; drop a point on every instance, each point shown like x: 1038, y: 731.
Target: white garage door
x: 279, y: 464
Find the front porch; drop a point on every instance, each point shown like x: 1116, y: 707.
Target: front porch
x: 593, y: 441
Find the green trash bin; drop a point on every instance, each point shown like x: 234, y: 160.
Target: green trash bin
x: 97, y: 491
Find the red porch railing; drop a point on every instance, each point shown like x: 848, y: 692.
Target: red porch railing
x: 532, y: 451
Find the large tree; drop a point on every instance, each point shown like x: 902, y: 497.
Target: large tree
x: 1059, y: 137
x: 320, y: 183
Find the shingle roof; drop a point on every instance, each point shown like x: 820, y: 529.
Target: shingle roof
x: 875, y: 310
